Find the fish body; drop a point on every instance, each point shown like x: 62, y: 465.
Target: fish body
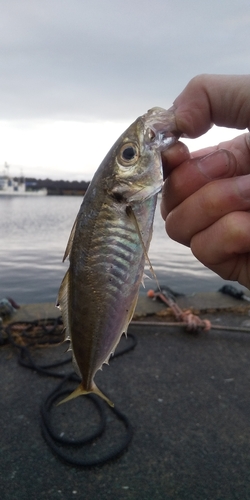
x: 109, y: 242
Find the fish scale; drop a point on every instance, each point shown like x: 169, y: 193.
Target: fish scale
x: 109, y: 243
x: 115, y: 268
x: 120, y: 240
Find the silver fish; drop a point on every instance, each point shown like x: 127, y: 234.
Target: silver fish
x: 109, y: 243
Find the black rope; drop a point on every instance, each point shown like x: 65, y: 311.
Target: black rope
x: 63, y: 446
x: 54, y: 440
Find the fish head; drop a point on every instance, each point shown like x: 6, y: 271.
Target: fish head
x: 137, y: 165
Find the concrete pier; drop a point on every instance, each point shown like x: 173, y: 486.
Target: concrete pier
x: 187, y: 396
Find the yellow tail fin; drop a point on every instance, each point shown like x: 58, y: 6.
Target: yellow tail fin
x: 80, y: 391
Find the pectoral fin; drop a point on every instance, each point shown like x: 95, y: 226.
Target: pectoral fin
x: 131, y: 214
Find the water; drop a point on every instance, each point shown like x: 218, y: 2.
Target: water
x: 33, y: 236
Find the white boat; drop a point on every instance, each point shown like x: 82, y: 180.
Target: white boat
x: 11, y: 187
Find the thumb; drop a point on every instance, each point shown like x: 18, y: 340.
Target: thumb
x: 222, y: 100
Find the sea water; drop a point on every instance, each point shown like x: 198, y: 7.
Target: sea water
x: 33, y: 235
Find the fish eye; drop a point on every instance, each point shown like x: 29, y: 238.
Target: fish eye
x: 129, y: 153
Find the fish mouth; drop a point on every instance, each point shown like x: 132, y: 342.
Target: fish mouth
x: 160, y: 129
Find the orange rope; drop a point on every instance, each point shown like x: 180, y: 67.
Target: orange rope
x: 192, y: 321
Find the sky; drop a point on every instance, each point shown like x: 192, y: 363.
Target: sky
x: 76, y: 73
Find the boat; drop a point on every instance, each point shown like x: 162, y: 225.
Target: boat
x: 12, y: 187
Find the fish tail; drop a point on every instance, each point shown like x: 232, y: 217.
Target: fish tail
x: 80, y: 391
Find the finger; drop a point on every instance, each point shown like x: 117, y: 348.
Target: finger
x: 173, y: 157
x: 239, y: 146
x: 203, y: 208
x: 224, y: 247
x: 233, y: 159
x: 192, y: 174
x: 207, y: 99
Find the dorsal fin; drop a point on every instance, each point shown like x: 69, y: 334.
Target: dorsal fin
x: 70, y: 241
x: 62, y: 303
x: 131, y: 214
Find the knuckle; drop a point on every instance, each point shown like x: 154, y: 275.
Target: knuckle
x: 176, y: 230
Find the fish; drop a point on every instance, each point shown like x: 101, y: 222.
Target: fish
x: 109, y: 243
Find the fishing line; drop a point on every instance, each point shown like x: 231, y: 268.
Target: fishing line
x: 45, y: 332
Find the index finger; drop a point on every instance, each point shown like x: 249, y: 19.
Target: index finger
x: 220, y: 99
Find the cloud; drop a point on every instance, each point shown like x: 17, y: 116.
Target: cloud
x: 70, y: 66
x: 96, y: 60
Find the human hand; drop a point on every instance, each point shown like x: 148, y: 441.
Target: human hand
x: 206, y: 195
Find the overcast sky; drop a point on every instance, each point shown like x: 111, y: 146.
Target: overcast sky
x: 75, y: 73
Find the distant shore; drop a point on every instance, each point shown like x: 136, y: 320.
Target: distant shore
x: 66, y: 192
x: 58, y: 187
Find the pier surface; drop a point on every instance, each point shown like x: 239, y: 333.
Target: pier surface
x: 186, y: 395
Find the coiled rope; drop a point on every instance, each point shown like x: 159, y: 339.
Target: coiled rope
x: 44, y: 332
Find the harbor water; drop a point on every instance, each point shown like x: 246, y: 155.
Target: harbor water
x: 33, y: 235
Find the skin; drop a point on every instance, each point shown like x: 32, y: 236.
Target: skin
x: 206, y: 195
x: 107, y: 246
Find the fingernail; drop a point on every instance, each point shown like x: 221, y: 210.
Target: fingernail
x: 215, y: 164
x: 243, y: 183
